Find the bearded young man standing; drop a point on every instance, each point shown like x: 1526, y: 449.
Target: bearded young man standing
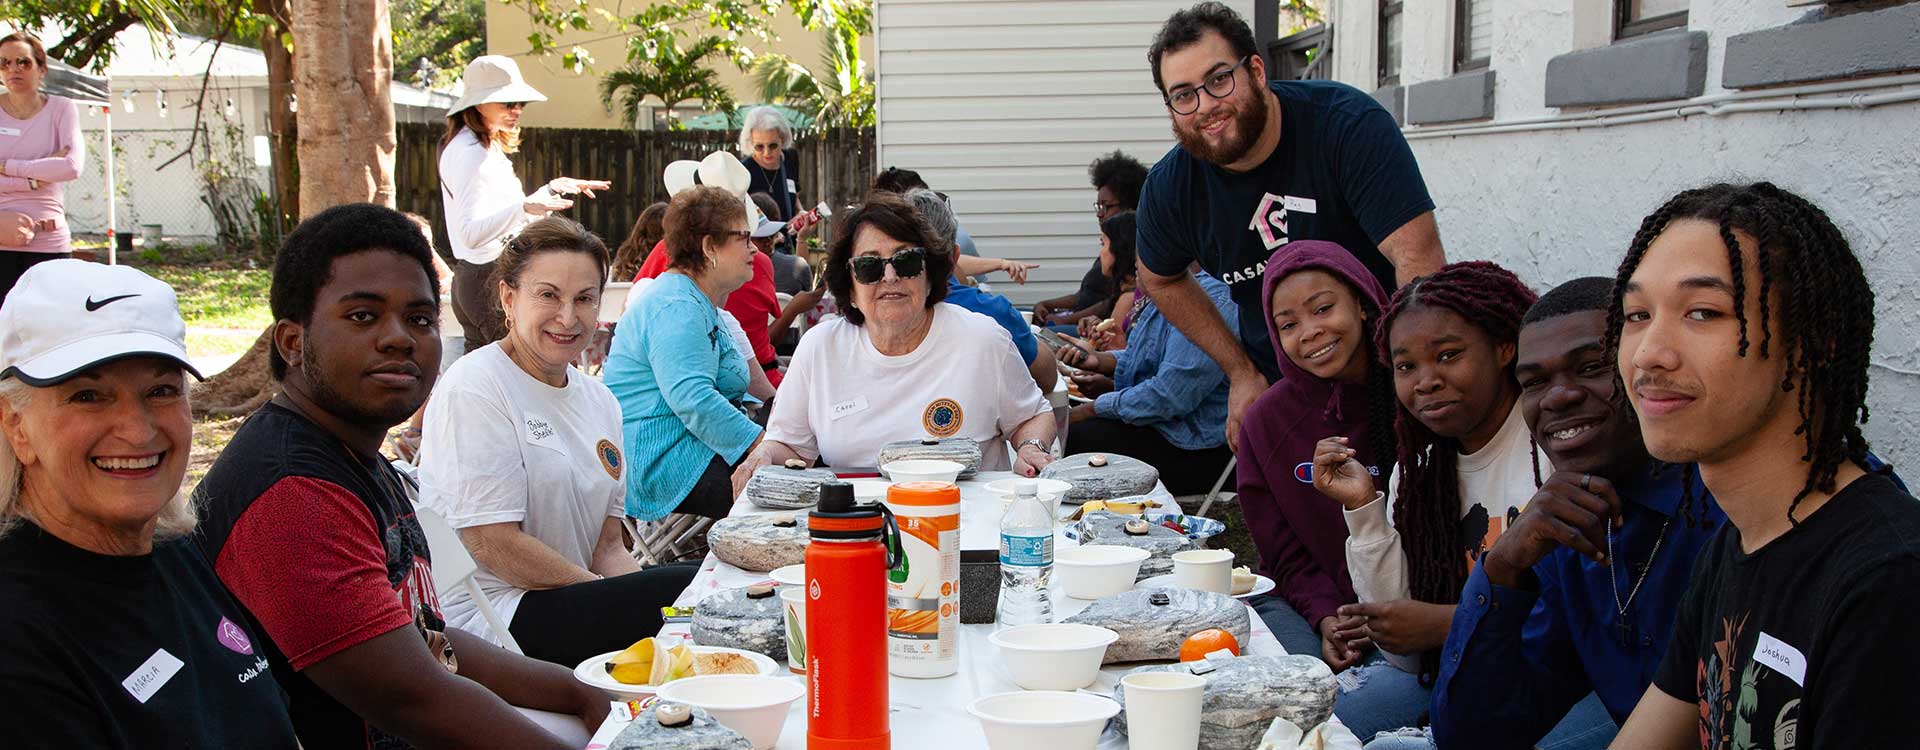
x: 1261, y: 164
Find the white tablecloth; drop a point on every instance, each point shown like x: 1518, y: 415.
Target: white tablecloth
x: 933, y: 713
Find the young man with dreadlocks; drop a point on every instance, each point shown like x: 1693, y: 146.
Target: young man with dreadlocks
x: 1465, y: 463
x: 1743, y: 322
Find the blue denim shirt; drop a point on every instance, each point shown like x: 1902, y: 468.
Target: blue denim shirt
x: 1515, y: 661
x: 1163, y: 380
x: 677, y: 376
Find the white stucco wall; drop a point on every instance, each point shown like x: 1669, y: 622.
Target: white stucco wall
x: 1557, y: 204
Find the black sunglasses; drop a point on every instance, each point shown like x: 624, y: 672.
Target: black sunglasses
x: 908, y: 263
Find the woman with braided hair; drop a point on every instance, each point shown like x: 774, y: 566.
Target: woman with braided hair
x: 1742, y: 323
x: 1466, y: 462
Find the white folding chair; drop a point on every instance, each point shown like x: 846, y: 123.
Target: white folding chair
x: 678, y: 536
x: 453, y: 568
x: 1217, y: 484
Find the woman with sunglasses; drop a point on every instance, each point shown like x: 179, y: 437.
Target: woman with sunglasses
x: 678, y: 376
x: 901, y: 364
x: 40, y: 149
x: 484, y: 202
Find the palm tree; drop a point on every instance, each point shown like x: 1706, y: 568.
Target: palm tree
x: 669, y: 74
x: 839, y: 94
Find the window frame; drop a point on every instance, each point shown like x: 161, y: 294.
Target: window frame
x: 1462, y: 39
x: 1626, y: 27
x: 1390, y: 8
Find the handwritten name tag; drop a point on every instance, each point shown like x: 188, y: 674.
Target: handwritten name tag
x: 1782, y: 658
x: 153, y: 675
x: 1298, y: 204
x: 849, y: 407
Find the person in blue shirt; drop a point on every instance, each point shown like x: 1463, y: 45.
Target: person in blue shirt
x: 1260, y: 164
x: 1168, y: 402
x: 934, y: 210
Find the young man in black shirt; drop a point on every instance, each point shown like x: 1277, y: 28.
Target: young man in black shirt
x: 1261, y: 164
x: 1743, y: 323
x: 1116, y: 187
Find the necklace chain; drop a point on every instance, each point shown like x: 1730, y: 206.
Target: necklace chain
x: 1614, y: 581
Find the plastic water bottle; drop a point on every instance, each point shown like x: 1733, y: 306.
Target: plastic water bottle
x: 1026, y: 559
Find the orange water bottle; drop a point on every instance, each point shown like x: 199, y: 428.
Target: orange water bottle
x: 847, y: 565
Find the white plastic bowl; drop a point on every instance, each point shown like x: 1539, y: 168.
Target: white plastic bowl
x: 789, y: 575
x: 1053, y: 656
x: 753, y: 705
x: 923, y: 470
x: 1043, y: 719
x: 1097, y: 571
x: 1050, y: 490
x: 869, y: 490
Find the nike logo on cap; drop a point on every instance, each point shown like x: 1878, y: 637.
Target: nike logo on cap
x: 92, y: 305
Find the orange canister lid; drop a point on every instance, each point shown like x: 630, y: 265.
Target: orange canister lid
x: 923, y: 494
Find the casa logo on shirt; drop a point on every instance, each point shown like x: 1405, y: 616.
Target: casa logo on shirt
x: 609, y: 457
x: 942, y: 418
x: 231, y: 636
x: 1270, y: 217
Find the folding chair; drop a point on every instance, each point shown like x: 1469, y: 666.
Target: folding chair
x: 1217, y: 484
x: 678, y: 536
x: 453, y: 568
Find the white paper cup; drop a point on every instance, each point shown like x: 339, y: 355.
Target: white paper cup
x: 793, y: 601
x: 1204, y: 570
x: 1163, y: 710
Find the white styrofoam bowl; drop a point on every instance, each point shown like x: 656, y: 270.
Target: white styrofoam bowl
x: 923, y: 470
x: 869, y: 490
x: 1049, y: 490
x: 789, y: 575
x: 753, y: 705
x: 1097, y: 571
x: 1053, y: 656
x: 1042, y: 719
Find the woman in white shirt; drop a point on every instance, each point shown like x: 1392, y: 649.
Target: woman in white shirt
x: 485, y: 203
x: 1466, y: 465
x: 900, y: 364
x: 522, y: 455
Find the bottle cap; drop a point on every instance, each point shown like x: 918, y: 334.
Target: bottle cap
x: 923, y: 494
x: 837, y: 517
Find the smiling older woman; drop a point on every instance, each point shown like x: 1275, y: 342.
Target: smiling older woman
x: 118, y: 633
x: 902, y: 364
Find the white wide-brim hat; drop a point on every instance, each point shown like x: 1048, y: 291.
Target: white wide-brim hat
x: 720, y: 169
x: 493, y: 78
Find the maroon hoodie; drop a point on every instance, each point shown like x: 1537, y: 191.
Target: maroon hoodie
x: 1300, y: 533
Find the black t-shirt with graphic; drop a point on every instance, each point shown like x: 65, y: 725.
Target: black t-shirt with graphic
x: 1342, y: 173
x: 1806, y: 642
x: 144, y: 651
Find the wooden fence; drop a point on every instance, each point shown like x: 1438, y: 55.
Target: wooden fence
x: 836, y: 166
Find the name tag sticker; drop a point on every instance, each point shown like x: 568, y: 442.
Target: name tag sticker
x: 15, y: 132
x: 1300, y: 205
x: 151, y: 676
x: 792, y: 188
x: 851, y: 406
x: 1782, y: 658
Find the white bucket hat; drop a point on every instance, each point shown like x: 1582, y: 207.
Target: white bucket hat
x: 493, y: 78
x: 66, y: 316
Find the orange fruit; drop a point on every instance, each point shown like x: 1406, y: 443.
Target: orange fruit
x: 1198, y: 645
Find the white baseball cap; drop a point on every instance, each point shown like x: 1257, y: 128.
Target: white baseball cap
x: 493, y: 78
x: 66, y: 316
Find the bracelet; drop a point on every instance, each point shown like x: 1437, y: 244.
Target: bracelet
x: 1035, y: 442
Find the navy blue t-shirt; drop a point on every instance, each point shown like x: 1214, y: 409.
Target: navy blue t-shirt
x: 1342, y: 173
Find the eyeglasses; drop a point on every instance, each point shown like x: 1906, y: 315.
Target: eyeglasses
x: 908, y: 263
x: 736, y: 234
x: 1186, y: 100
x: 24, y: 62
x: 515, y: 105
x: 1101, y: 208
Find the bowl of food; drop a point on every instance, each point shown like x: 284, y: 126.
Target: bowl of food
x: 640, y: 670
x: 1049, y: 490
x: 923, y: 470
x: 1197, y: 528
x: 753, y: 705
x: 1097, y: 571
x: 1053, y: 656
x: 1042, y: 719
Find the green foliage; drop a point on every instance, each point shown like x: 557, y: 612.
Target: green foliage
x: 669, y: 73
x: 94, y: 24
x: 445, y: 35
x: 840, y: 93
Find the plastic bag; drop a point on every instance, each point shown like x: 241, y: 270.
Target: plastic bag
x: 1286, y: 735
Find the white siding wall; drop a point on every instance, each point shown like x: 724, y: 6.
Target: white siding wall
x: 1556, y: 204
x: 1002, y: 104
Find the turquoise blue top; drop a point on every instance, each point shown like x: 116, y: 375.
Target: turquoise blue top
x: 678, y: 377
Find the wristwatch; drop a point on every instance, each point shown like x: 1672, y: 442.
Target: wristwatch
x: 1035, y: 442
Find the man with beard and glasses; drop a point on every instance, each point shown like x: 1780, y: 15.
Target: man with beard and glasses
x: 1261, y: 164
x: 1743, y: 322
x: 314, y: 532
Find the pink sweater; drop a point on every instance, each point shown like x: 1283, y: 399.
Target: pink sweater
x: 26, y: 151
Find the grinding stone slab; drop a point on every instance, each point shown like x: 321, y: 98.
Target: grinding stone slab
x: 1103, y: 527
x: 781, y: 488
x: 1121, y: 477
x: 1245, y: 694
x: 732, y: 620
x: 960, y: 450
x: 756, y: 543
x: 645, y: 733
x: 1149, y: 631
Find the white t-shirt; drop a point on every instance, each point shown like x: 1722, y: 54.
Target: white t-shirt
x: 1496, y: 480
x: 499, y: 446
x: 842, y: 399
x: 485, y: 202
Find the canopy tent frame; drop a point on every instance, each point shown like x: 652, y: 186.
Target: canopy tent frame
x: 86, y: 89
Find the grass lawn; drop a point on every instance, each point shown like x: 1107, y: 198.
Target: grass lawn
x: 225, y: 308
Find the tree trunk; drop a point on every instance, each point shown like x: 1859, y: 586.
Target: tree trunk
x: 340, y: 69
x: 282, y: 124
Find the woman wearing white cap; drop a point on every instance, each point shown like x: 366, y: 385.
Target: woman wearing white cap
x: 484, y: 202
x: 118, y: 633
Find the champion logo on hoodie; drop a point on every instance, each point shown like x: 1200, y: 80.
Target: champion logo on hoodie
x: 1304, y: 472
